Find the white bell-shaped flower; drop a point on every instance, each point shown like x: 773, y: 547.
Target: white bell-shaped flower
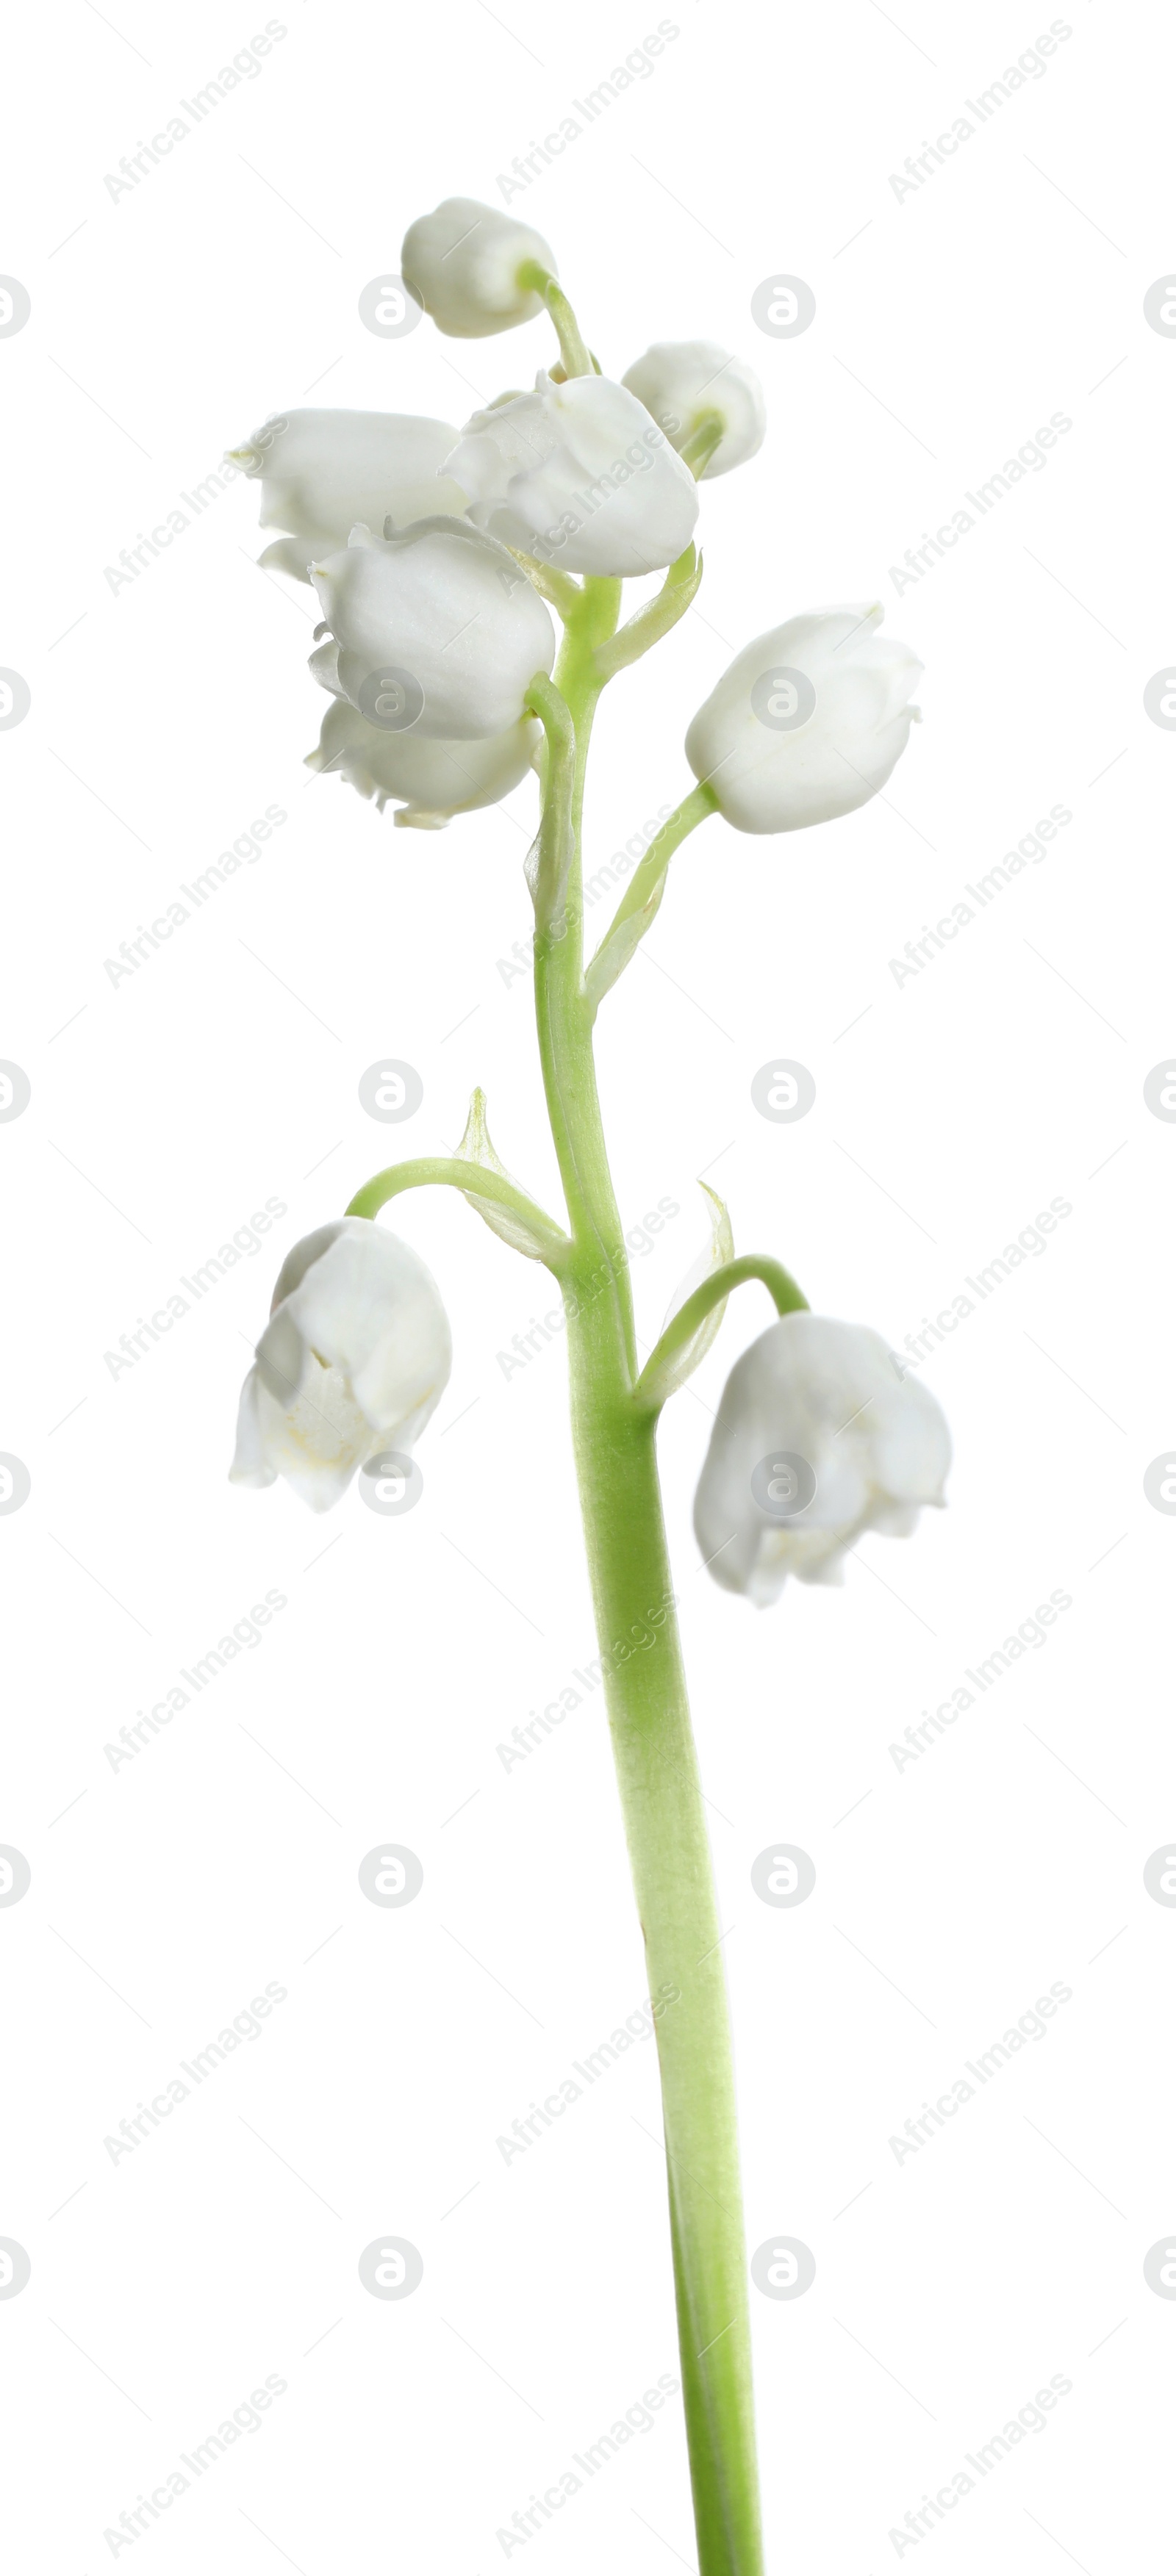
x: 807, y: 723
x: 428, y: 781
x: 819, y: 1437
x: 578, y: 475
x: 320, y: 471
x: 686, y: 383
x: 354, y: 1359
x: 463, y: 261
x: 438, y: 628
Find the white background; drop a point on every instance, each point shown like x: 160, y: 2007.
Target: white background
x: 951, y: 323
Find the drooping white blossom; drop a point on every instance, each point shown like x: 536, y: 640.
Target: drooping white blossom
x: 819, y: 1437
x: 807, y: 722
x: 354, y: 1359
x: 577, y: 475
x: 428, y: 781
x: 320, y: 471
x: 683, y: 383
x: 463, y: 261
x: 438, y: 629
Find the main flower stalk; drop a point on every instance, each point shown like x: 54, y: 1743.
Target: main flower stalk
x: 614, y: 1441
x: 438, y: 658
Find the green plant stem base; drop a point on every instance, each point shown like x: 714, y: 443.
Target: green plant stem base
x: 614, y: 1438
x: 615, y: 1408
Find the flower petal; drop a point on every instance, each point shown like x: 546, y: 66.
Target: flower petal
x: 870, y: 1442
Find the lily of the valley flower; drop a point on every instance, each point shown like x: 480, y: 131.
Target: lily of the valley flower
x: 431, y: 780
x: 819, y: 1437
x: 463, y: 261
x: 354, y: 1359
x: 807, y: 723
x: 438, y: 630
x: 687, y: 383
x: 320, y: 471
x: 579, y: 475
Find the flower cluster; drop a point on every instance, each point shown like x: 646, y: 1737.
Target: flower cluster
x: 427, y: 544
x: 438, y: 555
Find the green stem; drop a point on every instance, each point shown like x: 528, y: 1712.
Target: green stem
x: 475, y: 1180
x: 659, y: 614
x: 551, y: 856
x: 789, y: 1300
x: 573, y: 348
x: 613, y: 954
x: 562, y: 1016
x: 632, y: 1585
x: 705, y: 437
x: 561, y: 591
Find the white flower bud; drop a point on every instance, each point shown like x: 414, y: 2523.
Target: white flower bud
x: 807, y: 723
x: 685, y: 382
x: 438, y: 629
x: 819, y: 1437
x: 320, y: 471
x: 354, y: 1359
x: 463, y: 262
x: 434, y: 780
x: 577, y: 475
